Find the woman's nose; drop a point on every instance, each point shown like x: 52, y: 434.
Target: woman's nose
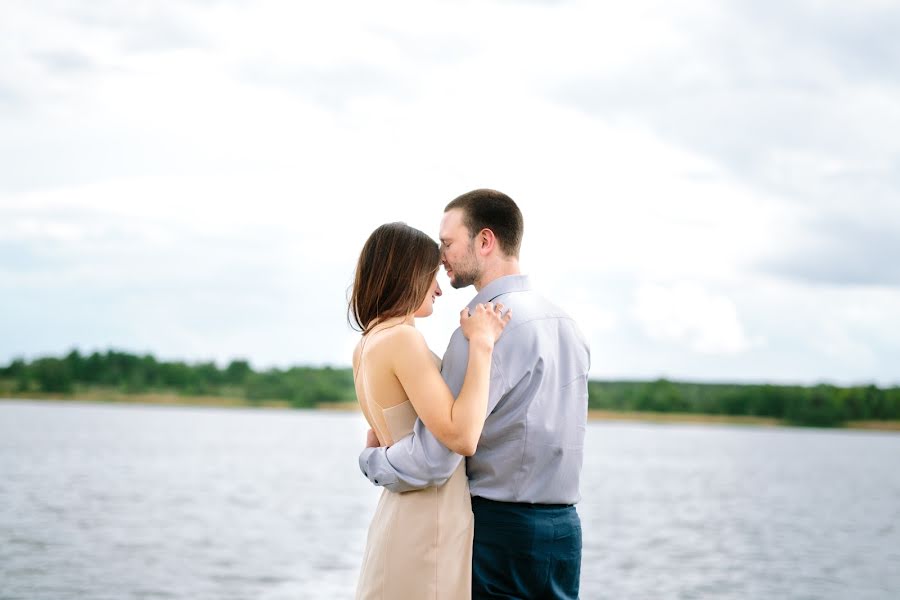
x: 437, y: 290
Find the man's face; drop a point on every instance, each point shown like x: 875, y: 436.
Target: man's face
x: 458, y: 250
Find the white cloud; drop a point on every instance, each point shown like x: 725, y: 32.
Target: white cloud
x: 689, y: 316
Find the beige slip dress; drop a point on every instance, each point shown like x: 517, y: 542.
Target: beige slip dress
x: 419, y: 545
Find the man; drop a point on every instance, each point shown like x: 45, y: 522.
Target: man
x: 524, y: 475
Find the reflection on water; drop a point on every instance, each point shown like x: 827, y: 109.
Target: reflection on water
x: 125, y: 502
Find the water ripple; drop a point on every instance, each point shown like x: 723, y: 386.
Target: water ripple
x: 119, y: 502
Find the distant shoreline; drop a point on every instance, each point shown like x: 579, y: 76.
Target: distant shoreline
x: 116, y: 376
x: 162, y: 399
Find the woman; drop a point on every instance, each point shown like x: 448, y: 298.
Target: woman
x: 420, y: 543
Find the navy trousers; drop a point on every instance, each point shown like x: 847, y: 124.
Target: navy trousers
x: 525, y: 551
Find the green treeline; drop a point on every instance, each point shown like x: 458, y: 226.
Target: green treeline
x: 820, y: 405
x: 132, y: 374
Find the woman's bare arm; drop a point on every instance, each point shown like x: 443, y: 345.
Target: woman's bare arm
x: 457, y: 424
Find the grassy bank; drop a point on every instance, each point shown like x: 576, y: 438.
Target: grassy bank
x: 171, y: 399
x: 112, y: 396
x: 702, y: 419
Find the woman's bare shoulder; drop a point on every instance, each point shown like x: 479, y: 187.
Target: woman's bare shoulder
x: 403, y: 335
x: 401, y: 342
x: 400, y: 338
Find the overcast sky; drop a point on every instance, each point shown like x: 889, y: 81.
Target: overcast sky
x: 711, y: 188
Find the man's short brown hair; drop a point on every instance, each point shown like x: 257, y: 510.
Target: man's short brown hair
x: 490, y: 209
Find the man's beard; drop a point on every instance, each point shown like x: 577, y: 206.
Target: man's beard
x: 466, y: 274
x: 462, y: 279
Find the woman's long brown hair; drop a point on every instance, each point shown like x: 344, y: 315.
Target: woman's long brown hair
x: 395, y: 269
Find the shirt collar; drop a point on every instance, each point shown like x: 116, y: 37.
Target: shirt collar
x: 500, y: 286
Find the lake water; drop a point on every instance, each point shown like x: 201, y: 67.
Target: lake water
x: 133, y: 502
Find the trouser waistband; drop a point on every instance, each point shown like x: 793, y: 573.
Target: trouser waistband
x: 478, y: 500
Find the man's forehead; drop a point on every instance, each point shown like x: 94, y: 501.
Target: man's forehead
x: 451, y: 221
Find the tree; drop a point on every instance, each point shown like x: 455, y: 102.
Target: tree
x: 53, y: 375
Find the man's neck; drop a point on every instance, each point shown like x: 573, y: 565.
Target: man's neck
x: 494, y: 272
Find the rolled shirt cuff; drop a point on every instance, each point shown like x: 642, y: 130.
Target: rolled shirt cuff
x: 368, y: 459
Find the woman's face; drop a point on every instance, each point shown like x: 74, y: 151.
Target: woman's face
x: 427, y: 306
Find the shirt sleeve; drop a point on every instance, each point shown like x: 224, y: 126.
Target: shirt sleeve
x: 414, y: 462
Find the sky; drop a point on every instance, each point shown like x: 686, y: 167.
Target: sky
x: 712, y: 189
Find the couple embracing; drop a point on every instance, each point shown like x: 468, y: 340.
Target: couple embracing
x: 480, y: 453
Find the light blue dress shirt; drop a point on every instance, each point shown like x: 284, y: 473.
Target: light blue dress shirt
x: 532, y: 447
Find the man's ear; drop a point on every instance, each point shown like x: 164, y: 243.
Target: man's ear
x: 486, y: 241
